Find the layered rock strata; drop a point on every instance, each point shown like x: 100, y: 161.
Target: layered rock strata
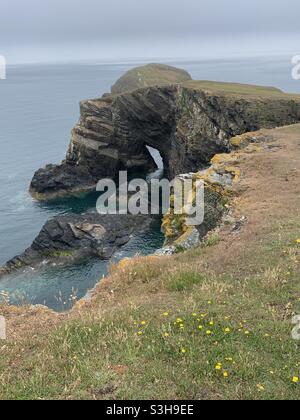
x: 188, y: 123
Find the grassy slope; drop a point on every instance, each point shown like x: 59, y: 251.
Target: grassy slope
x: 240, y: 89
x: 149, y: 75
x: 145, y: 334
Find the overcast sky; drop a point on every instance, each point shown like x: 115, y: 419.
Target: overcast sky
x: 41, y: 30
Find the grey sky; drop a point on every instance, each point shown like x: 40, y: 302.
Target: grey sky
x: 36, y: 29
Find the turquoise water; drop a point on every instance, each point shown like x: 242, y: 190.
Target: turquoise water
x: 58, y: 287
x: 38, y: 108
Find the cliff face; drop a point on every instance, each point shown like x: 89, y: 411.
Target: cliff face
x: 188, y: 123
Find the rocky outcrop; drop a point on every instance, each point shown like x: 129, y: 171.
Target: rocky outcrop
x: 188, y: 123
x: 67, y: 239
x: 221, y: 181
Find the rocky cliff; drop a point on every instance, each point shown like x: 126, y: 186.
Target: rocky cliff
x: 188, y: 123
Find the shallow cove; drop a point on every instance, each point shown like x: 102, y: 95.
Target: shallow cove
x: 59, y: 287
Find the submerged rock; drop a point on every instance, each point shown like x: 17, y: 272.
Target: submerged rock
x: 70, y: 238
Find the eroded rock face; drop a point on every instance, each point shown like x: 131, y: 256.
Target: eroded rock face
x: 187, y: 124
x: 66, y: 239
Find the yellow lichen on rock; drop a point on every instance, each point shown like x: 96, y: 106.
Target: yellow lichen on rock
x: 207, y: 176
x: 236, y: 172
x: 218, y: 181
x: 237, y: 141
x: 243, y: 140
x: 251, y: 138
x: 223, y: 158
x: 173, y: 225
x: 183, y: 238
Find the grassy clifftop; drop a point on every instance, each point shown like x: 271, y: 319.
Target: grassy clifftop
x: 149, y: 75
x: 211, y: 323
x: 161, y: 74
x: 239, y: 89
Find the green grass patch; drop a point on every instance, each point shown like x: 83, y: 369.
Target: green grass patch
x: 240, y: 89
x: 184, y: 281
x: 211, y: 240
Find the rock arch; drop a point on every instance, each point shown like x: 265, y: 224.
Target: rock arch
x: 187, y: 123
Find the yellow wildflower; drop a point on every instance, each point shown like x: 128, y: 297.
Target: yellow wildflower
x: 295, y: 380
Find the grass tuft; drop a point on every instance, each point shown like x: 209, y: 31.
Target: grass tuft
x: 185, y: 281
